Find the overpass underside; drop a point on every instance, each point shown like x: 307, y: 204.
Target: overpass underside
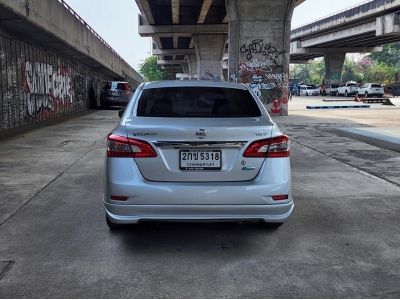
x: 191, y: 38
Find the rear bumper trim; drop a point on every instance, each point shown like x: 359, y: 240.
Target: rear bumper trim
x: 125, y: 214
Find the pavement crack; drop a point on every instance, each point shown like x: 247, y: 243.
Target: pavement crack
x: 7, y: 268
x: 47, y: 185
x: 366, y: 171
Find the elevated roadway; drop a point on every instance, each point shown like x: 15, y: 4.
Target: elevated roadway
x: 52, y: 63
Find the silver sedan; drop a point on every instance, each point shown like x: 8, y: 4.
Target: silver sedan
x: 196, y: 150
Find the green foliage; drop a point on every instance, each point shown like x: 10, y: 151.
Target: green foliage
x: 379, y: 67
x: 150, y: 70
x: 390, y: 55
x: 309, y: 73
x: 301, y: 72
x: 351, y: 71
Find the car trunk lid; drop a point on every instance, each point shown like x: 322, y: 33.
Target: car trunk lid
x: 199, y: 149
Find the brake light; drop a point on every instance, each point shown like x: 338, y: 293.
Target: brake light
x: 273, y: 147
x: 119, y: 146
x: 280, y: 197
x: 119, y: 198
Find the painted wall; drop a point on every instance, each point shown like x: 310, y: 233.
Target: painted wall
x: 36, y: 85
x: 259, y: 49
x: 261, y: 69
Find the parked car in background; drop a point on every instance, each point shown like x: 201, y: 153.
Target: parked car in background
x: 370, y: 90
x: 197, y: 150
x: 309, y: 90
x: 115, y: 93
x: 348, y: 89
x: 330, y: 89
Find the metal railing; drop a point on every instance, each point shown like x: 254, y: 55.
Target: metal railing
x: 79, y: 18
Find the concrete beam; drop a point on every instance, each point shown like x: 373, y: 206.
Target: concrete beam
x: 173, y: 69
x: 339, y: 35
x: 144, y: 8
x: 185, y: 30
x: 62, y: 23
x: 295, y: 49
x: 388, y: 25
x: 175, y: 41
x: 175, y: 11
x: 174, y: 51
x: 342, y: 19
x: 301, y: 62
x: 298, y: 2
x: 204, y: 11
x: 157, y: 41
x: 171, y: 62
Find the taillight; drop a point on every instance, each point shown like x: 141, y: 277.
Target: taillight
x: 119, y: 146
x: 280, y: 197
x: 273, y: 147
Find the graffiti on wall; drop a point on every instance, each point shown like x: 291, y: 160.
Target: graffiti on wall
x: 259, y: 47
x: 210, y: 76
x: 48, y: 86
x: 36, y: 85
x: 261, y: 69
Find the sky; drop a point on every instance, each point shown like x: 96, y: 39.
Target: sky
x: 116, y: 21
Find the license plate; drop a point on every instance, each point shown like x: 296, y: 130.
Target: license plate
x: 200, y: 160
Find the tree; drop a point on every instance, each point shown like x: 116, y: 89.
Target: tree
x: 350, y: 71
x: 389, y: 55
x: 303, y: 72
x: 150, y: 70
x: 318, y: 71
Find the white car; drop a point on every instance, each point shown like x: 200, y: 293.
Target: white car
x: 331, y: 89
x: 197, y: 150
x: 309, y: 90
x: 348, y: 89
x: 370, y: 90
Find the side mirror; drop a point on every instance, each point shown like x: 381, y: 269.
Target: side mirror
x: 121, y: 112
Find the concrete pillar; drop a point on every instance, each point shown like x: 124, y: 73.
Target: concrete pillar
x: 259, y: 48
x: 333, y: 68
x: 209, y: 52
x: 185, y: 69
x: 192, y: 64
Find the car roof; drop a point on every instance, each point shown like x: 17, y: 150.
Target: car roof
x: 193, y: 83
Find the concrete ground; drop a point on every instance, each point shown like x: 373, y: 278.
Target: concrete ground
x: 343, y: 239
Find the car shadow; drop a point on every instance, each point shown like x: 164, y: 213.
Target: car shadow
x: 192, y: 237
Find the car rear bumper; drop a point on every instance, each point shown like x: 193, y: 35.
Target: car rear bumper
x: 111, y: 101
x: 150, y: 200
x: 125, y: 214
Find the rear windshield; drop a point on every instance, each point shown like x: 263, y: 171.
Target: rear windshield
x: 116, y: 86
x: 334, y: 86
x: 352, y: 84
x: 376, y: 85
x: 122, y: 86
x: 197, y: 102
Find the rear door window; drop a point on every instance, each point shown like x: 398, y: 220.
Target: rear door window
x: 122, y: 86
x: 197, y: 102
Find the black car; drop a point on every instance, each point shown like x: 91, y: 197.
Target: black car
x: 115, y: 93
